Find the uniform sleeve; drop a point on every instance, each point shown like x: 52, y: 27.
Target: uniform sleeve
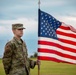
x: 7, y: 58
x: 32, y: 64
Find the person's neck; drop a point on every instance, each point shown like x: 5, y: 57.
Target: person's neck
x: 18, y: 38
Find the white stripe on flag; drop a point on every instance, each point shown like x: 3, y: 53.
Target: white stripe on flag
x: 66, y: 31
x: 56, y: 49
x: 56, y: 56
x: 66, y: 37
x: 56, y: 41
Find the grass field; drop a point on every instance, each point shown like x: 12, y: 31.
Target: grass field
x: 49, y: 68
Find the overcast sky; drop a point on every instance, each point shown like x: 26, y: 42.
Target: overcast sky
x: 26, y: 12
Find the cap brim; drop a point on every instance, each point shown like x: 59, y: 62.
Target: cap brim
x: 21, y: 28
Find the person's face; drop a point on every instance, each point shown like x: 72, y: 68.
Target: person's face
x: 18, y: 32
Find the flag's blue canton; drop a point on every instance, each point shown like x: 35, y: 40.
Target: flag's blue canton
x: 47, y: 25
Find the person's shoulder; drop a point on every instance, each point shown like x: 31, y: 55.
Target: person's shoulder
x: 8, y: 46
x: 9, y: 43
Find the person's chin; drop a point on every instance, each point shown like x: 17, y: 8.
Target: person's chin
x: 21, y: 35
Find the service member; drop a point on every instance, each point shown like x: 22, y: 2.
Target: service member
x: 15, y: 58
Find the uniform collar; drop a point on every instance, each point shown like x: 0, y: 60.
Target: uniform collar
x: 18, y: 41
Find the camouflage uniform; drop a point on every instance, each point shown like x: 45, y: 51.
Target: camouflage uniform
x: 15, y: 59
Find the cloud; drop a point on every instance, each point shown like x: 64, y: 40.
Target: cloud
x: 70, y: 20
x: 13, y: 9
x: 3, y: 29
x: 30, y: 25
x: 53, y: 3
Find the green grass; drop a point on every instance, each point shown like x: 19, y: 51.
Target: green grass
x: 1, y: 68
x: 49, y: 68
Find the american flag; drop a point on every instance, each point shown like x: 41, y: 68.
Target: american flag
x: 56, y: 41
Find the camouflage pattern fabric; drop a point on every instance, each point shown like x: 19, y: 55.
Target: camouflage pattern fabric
x: 15, y: 59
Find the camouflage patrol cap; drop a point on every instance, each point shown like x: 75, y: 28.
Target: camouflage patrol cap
x: 17, y: 26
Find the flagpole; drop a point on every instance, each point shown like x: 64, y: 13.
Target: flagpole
x: 38, y: 24
x: 39, y: 4
x: 38, y: 69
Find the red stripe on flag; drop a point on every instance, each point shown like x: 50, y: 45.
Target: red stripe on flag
x: 67, y: 41
x: 48, y: 58
x: 56, y: 52
x: 66, y: 34
x: 57, y: 45
x: 64, y: 27
x: 52, y: 59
